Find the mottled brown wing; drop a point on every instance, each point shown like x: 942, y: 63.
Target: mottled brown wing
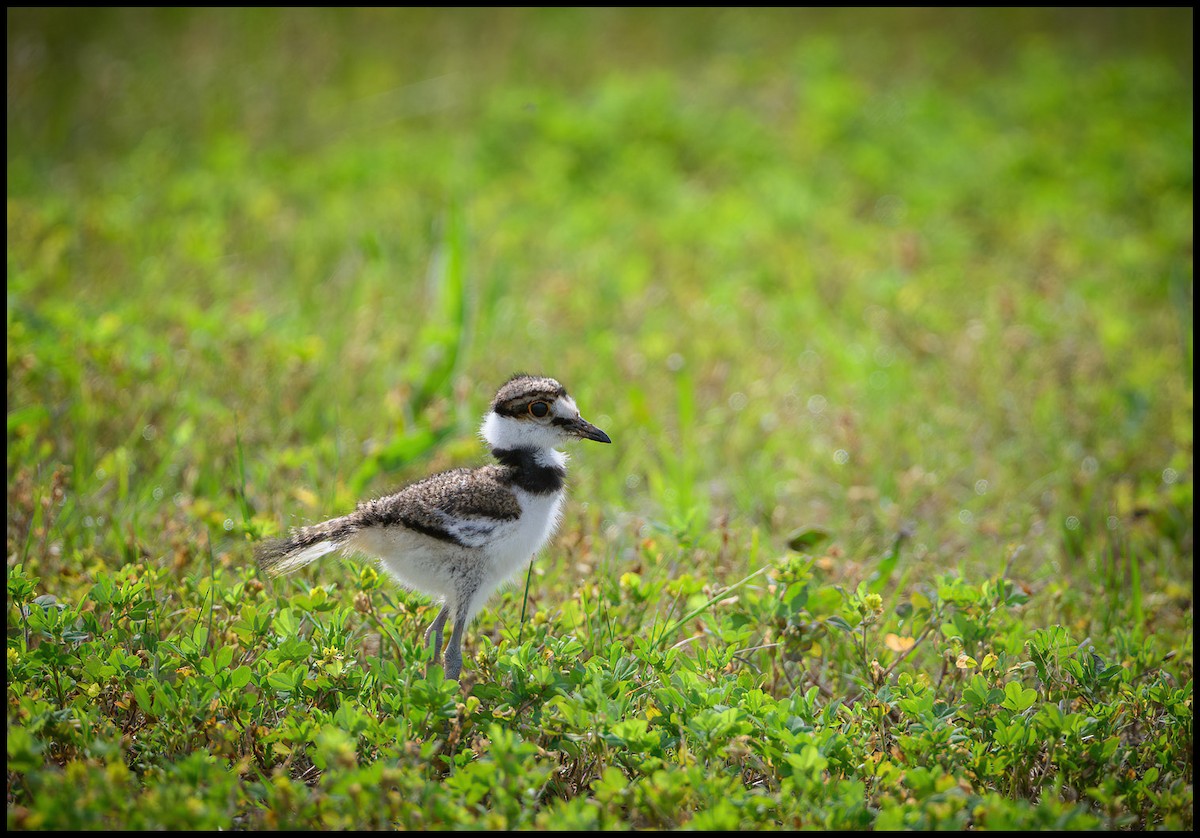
x: 463, y: 506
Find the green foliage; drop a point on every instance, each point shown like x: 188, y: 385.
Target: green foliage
x: 279, y: 714
x: 888, y: 314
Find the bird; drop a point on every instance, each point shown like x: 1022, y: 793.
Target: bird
x: 459, y: 535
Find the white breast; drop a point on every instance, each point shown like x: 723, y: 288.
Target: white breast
x: 515, y: 542
x: 421, y: 563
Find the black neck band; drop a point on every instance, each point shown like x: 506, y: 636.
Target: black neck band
x: 527, y: 473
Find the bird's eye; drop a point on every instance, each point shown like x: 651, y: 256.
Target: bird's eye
x: 539, y: 410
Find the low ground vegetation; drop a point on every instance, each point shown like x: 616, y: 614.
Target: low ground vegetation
x: 889, y: 319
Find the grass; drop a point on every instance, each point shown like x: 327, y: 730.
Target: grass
x: 888, y: 314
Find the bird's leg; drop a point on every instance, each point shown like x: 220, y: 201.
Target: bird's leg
x: 433, y: 634
x: 454, y: 650
x: 465, y: 591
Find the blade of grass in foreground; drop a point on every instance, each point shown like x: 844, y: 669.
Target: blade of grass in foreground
x: 1135, y: 583
x: 661, y: 641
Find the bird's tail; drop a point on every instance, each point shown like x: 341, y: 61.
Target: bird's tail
x: 304, y: 545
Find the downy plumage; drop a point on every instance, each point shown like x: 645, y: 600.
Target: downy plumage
x: 461, y: 534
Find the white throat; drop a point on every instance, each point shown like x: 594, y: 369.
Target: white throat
x: 506, y: 433
x: 550, y: 457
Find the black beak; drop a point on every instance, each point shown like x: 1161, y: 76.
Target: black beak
x: 583, y: 428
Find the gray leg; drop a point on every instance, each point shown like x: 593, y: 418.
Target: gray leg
x: 433, y: 635
x: 454, y: 650
x: 465, y: 588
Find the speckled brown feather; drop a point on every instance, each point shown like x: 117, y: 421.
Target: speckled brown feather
x: 520, y: 391
x: 461, y: 493
x: 272, y: 555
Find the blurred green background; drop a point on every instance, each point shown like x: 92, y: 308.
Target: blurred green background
x: 861, y: 270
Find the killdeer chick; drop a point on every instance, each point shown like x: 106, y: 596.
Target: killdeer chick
x: 460, y: 534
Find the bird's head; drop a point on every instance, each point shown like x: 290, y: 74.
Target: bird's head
x: 534, y: 412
